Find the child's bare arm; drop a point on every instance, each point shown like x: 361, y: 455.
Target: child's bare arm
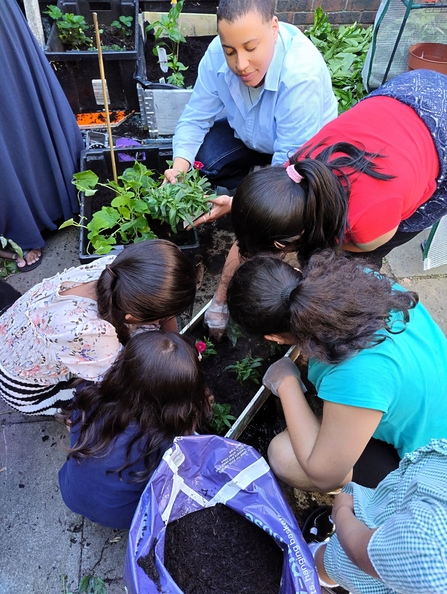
x: 352, y: 533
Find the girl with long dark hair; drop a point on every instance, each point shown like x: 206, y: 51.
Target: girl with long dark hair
x: 121, y: 427
x: 74, y: 324
x: 376, y: 359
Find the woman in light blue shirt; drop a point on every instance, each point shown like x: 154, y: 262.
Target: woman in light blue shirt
x: 263, y: 89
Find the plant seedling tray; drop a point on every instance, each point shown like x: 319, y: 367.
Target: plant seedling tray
x: 154, y: 154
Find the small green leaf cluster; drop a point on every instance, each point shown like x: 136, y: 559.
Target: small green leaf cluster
x: 167, y: 34
x: 71, y: 27
x: 8, y: 265
x: 221, y: 418
x: 234, y: 332
x: 183, y: 201
x: 344, y: 50
x: 246, y: 369
x: 123, y: 26
x: 139, y: 197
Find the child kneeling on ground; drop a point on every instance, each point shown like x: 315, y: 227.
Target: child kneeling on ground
x: 392, y: 538
x: 121, y: 427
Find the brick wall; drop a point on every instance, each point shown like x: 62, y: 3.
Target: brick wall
x: 298, y: 12
x: 301, y: 12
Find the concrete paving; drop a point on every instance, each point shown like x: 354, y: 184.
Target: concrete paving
x: 45, y: 548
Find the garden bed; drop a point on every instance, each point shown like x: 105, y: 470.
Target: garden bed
x: 78, y: 69
x: 154, y: 156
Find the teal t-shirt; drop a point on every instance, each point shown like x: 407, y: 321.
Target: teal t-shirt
x: 405, y: 377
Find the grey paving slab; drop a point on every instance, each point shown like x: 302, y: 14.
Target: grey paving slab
x: 42, y: 544
x: 406, y: 260
x: 60, y: 252
x: 36, y: 542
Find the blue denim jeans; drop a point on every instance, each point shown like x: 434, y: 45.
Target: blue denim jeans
x: 226, y: 159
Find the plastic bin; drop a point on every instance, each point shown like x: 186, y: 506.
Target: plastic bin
x: 154, y: 154
x: 78, y: 70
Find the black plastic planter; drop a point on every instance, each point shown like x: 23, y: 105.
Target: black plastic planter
x: 78, y: 70
x: 154, y: 154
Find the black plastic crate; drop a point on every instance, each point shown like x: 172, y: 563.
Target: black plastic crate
x: 77, y: 69
x: 154, y: 154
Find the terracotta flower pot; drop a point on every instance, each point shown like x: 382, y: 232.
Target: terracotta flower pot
x: 431, y: 56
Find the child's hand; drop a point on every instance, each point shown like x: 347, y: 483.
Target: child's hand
x: 342, y: 500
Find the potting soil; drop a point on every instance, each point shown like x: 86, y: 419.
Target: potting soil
x: 218, y: 551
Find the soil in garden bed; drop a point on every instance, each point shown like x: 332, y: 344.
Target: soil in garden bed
x: 190, y: 54
x: 221, y: 381
x: 110, y: 40
x: 216, y: 551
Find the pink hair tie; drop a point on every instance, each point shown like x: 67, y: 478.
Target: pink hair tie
x: 293, y: 174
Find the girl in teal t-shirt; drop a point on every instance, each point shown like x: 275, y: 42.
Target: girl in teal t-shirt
x: 376, y: 358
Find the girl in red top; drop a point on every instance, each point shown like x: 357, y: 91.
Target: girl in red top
x: 368, y: 181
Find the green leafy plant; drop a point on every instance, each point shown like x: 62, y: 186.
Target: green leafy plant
x: 89, y: 584
x: 9, y: 251
x: 123, y: 26
x: 167, y: 34
x: 205, y: 348
x: 234, y: 332
x: 246, y: 369
x: 71, y: 27
x: 221, y: 419
x: 344, y: 50
x: 138, y: 198
x: 183, y: 201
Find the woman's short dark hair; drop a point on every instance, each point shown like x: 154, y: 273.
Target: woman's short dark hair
x: 150, y: 280
x: 232, y: 10
x: 333, y: 308
x: 155, y: 383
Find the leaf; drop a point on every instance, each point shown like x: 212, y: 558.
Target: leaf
x: 90, y: 584
x: 67, y: 223
x: 85, y: 181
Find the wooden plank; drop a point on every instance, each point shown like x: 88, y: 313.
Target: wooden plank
x: 190, y: 25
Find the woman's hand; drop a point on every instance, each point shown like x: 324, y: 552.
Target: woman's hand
x: 220, y: 207
x: 179, y: 167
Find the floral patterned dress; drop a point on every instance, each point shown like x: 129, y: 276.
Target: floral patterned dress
x: 47, y: 339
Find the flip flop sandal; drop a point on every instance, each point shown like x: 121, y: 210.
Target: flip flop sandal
x: 32, y: 266
x: 318, y: 526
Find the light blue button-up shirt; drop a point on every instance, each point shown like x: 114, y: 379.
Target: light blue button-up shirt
x: 296, y: 102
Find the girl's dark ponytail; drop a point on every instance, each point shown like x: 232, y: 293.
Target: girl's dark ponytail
x: 150, y: 281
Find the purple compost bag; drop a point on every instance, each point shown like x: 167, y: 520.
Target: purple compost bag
x: 201, y: 471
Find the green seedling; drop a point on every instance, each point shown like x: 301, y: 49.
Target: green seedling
x: 234, y: 332
x: 221, y: 419
x: 71, y: 27
x: 123, y: 26
x: 344, y: 50
x: 167, y: 35
x: 183, y: 201
x: 246, y: 369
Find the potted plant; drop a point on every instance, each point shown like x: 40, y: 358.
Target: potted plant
x: 139, y: 206
x: 71, y: 48
x: 174, y: 47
